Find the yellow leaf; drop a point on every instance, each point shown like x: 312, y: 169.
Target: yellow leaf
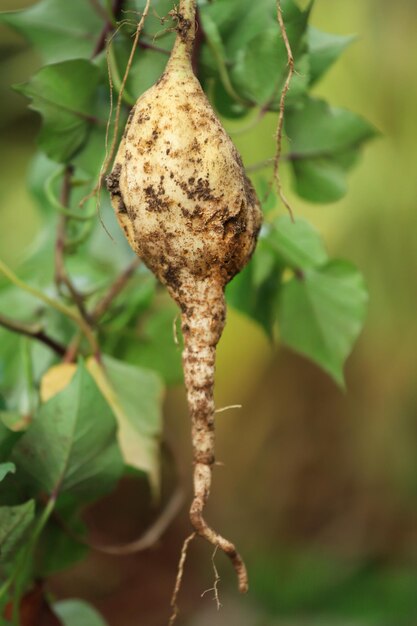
x: 56, y: 379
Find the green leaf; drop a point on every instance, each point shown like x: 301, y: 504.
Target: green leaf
x: 218, y: 54
x: 226, y: 14
x: 57, y: 550
x: 64, y: 95
x: 315, y: 127
x: 78, y: 613
x: 254, y: 291
x: 6, y: 468
x: 324, y: 50
x: 14, y: 524
x: 155, y: 347
x: 260, y: 67
x: 59, y: 30
x: 297, y: 243
x: 324, y: 144
x: 135, y: 396
x: 146, y: 69
x: 223, y: 102
x: 8, y: 438
x: 321, y: 314
x: 71, y: 444
x: 262, y: 64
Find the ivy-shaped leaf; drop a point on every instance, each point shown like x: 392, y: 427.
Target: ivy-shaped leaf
x: 262, y: 64
x: 297, y: 243
x: 64, y: 94
x: 324, y: 143
x: 324, y: 49
x: 154, y: 346
x: 71, y: 444
x: 321, y: 313
x: 255, y: 290
x: 59, y: 30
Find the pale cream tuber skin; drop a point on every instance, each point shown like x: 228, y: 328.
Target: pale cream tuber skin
x: 189, y: 212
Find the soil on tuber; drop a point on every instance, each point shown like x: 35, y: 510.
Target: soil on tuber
x: 180, y: 193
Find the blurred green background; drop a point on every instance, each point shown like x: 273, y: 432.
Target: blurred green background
x: 319, y: 488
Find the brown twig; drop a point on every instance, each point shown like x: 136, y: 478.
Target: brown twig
x: 280, y: 126
x: 108, y: 27
x: 114, y: 290
x: 178, y: 581
x: 34, y: 332
x: 72, y: 351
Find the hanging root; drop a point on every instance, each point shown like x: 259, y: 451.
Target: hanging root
x: 202, y: 325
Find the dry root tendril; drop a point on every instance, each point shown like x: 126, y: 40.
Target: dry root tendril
x: 280, y: 127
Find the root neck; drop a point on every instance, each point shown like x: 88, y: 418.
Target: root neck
x: 183, y: 47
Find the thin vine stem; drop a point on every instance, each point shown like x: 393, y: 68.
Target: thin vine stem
x: 57, y: 204
x: 61, y: 245
x: 34, y: 331
x: 51, y: 302
x: 46, y: 513
x: 280, y: 126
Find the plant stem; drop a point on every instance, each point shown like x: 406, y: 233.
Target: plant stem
x: 110, y: 154
x: 57, y: 204
x: 280, y: 126
x: 61, y: 275
x: 55, y: 304
x: 26, y: 555
x: 34, y: 332
x: 115, y: 288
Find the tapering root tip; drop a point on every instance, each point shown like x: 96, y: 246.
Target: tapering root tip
x: 203, y: 530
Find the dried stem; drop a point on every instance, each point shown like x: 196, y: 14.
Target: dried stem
x: 280, y: 126
x: 34, y: 332
x: 115, y: 288
x: 109, y: 155
x: 178, y: 582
